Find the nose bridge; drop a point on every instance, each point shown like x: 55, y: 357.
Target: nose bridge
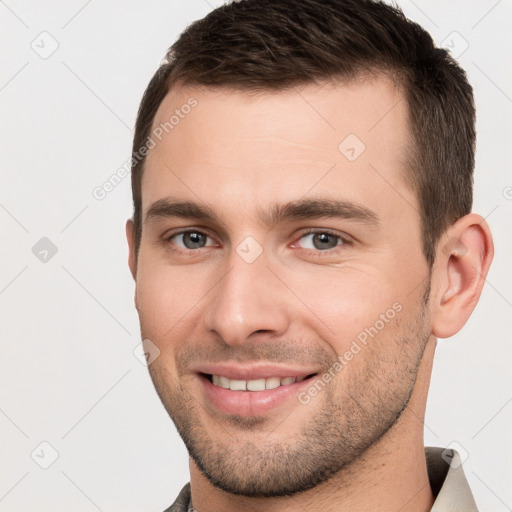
x: 247, y: 299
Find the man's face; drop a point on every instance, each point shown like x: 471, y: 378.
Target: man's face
x: 273, y: 247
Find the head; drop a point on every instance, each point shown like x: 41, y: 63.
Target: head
x: 302, y: 209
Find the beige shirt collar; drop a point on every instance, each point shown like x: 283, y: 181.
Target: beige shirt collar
x: 448, y: 482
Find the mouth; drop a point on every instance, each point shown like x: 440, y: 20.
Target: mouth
x: 254, y: 385
x: 255, y: 395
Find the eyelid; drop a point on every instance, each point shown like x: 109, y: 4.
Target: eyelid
x: 179, y: 231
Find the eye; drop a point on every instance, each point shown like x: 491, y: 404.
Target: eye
x: 320, y: 240
x: 191, y: 240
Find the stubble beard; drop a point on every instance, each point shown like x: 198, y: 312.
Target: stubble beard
x: 344, y: 422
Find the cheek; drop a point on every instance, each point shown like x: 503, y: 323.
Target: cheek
x: 350, y: 304
x: 169, y: 302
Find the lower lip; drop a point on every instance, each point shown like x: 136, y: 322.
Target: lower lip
x: 250, y: 403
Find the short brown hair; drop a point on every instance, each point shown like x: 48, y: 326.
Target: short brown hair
x: 271, y: 45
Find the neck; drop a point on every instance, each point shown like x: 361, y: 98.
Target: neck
x: 391, y: 475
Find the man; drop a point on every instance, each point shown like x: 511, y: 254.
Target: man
x: 302, y: 234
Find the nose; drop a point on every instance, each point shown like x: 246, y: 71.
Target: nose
x: 248, y: 301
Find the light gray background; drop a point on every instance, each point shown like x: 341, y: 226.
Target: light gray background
x: 68, y: 373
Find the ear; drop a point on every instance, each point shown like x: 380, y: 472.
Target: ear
x: 132, y: 258
x: 464, y: 255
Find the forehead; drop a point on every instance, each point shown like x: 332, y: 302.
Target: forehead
x: 241, y: 149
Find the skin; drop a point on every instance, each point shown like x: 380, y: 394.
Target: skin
x: 358, y: 443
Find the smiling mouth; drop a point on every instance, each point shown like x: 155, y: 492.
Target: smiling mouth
x: 254, y: 385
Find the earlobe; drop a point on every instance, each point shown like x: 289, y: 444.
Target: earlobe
x: 464, y: 255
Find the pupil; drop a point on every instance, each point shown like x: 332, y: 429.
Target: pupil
x: 324, y: 241
x: 193, y: 240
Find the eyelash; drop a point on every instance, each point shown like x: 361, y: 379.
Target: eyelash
x: 317, y: 253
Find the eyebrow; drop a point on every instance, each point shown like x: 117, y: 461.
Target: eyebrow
x: 169, y: 207
x: 302, y: 209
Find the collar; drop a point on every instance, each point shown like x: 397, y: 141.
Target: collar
x: 448, y: 482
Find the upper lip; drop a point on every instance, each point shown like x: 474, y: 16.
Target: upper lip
x: 253, y: 371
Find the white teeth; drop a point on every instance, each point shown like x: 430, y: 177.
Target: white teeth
x: 237, y: 385
x: 254, y: 385
x: 272, y: 382
x: 224, y: 382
